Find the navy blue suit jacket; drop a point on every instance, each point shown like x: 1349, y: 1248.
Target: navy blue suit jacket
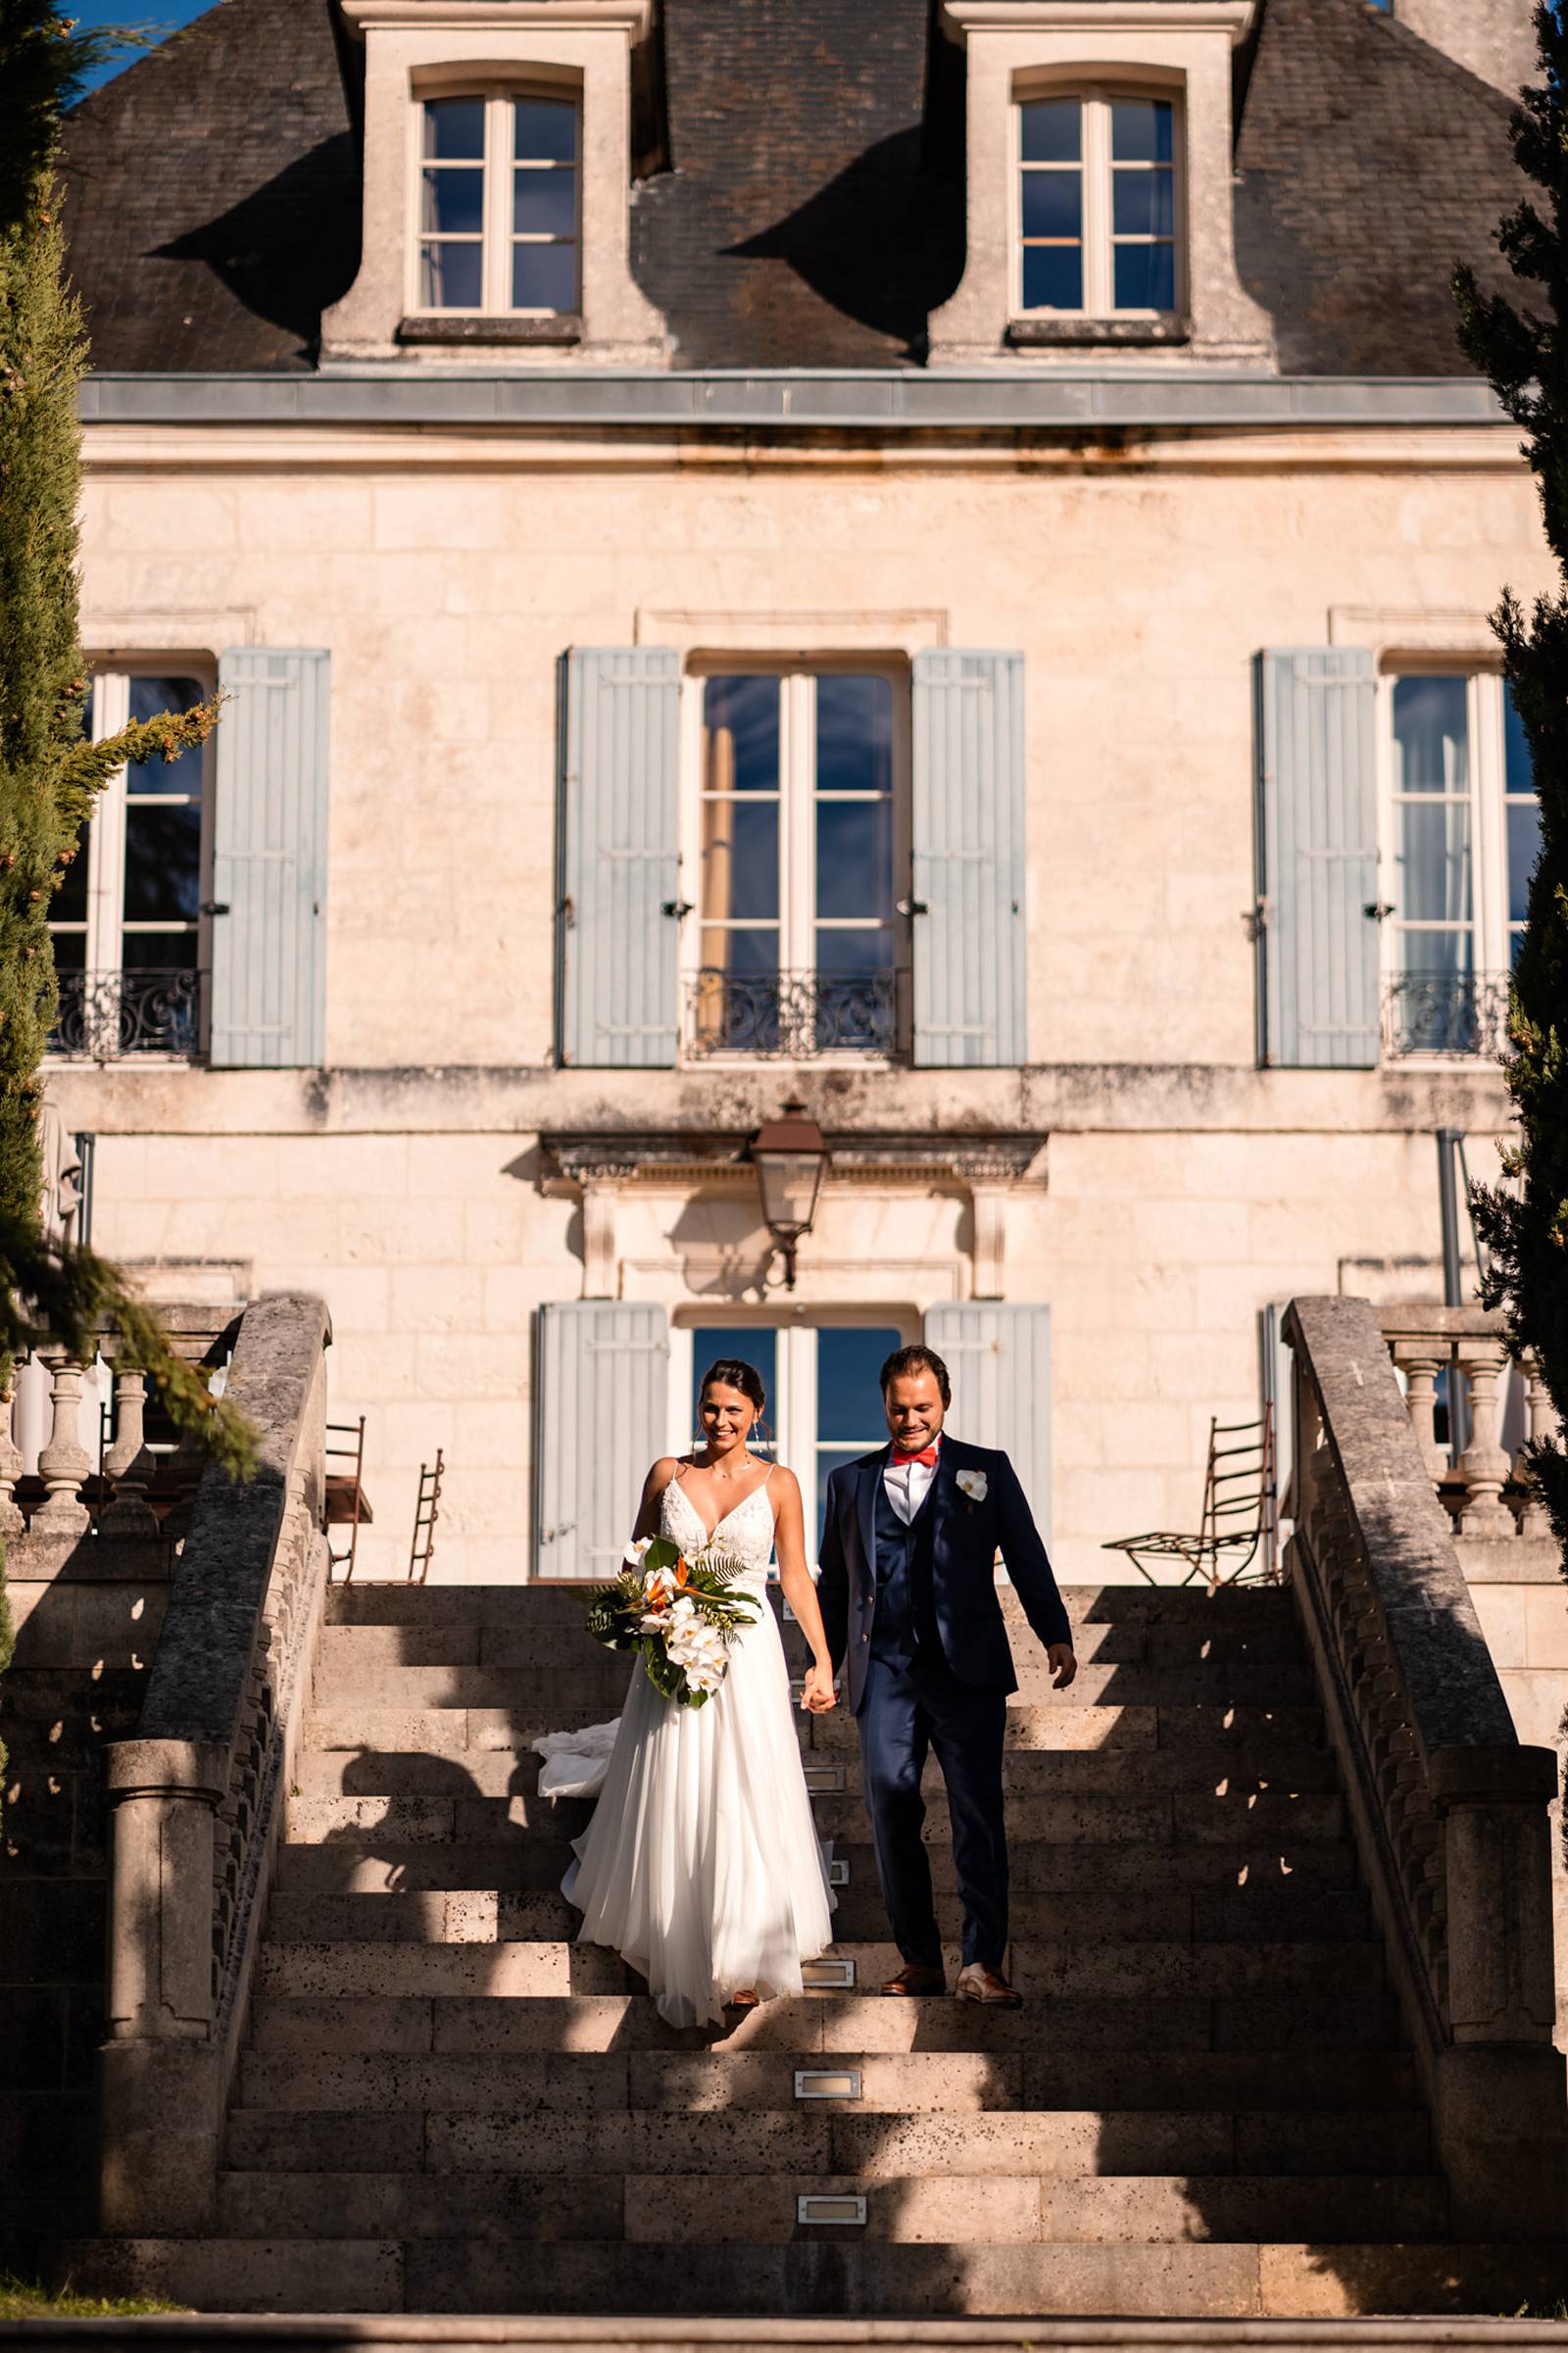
x: 965, y: 1537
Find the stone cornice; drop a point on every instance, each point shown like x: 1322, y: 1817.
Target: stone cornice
x: 633, y: 17
x: 1094, y: 17
x: 683, y: 1159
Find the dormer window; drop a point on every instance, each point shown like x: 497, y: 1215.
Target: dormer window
x: 1097, y: 206
x: 498, y: 208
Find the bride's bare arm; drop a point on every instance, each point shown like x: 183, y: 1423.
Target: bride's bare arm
x: 653, y: 1486
x: 789, y: 1536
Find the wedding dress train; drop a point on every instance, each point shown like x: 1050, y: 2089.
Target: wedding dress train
x: 702, y: 1866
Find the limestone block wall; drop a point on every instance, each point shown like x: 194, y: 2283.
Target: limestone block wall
x: 84, y: 1648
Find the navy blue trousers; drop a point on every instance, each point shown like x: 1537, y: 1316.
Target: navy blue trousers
x: 906, y: 1712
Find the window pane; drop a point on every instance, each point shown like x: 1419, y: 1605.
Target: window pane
x: 71, y: 951
x: 544, y: 277
x: 1141, y: 130
x: 854, y: 734
x: 1051, y: 130
x: 1431, y: 736
x: 545, y: 131
x: 149, y: 697
x: 743, y: 955
x: 849, y: 1400
x: 1436, y: 955
x: 754, y: 1345
x: 544, y: 204
x: 740, y: 735
x: 1433, y: 863
x: 1141, y: 203
x: 739, y: 861
x: 853, y: 954
x: 1518, y: 772
x: 828, y: 1460
x: 70, y: 902
x: 1052, y: 277
x: 1052, y: 204
x: 1145, y: 277
x: 453, y: 129
x: 855, y: 857
x: 451, y: 278
x: 452, y: 203
x: 163, y: 863
x: 1524, y: 844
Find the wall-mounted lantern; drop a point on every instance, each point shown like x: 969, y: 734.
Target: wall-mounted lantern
x: 790, y: 1155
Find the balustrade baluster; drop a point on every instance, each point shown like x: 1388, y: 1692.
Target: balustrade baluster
x: 63, y: 1464
x: 129, y: 1464
x: 1533, y: 1520
x: 1483, y: 1466
x: 12, y: 1522
x: 1421, y: 1361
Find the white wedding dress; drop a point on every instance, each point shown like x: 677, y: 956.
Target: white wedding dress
x: 702, y: 1866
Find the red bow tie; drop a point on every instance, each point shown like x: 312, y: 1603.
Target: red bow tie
x: 927, y: 1455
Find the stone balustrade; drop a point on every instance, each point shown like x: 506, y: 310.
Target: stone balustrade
x: 1485, y: 1485
x: 1452, y: 1812
x: 196, y: 1795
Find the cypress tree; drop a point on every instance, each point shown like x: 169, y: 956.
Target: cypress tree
x: 1519, y: 341
x: 50, y: 774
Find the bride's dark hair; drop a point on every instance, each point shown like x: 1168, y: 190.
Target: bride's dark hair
x: 733, y: 1372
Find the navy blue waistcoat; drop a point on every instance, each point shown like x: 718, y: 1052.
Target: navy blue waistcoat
x: 905, y: 1617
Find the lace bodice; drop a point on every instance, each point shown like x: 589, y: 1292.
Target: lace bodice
x: 745, y: 1532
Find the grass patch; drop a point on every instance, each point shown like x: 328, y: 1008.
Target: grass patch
x: 24, y: 2300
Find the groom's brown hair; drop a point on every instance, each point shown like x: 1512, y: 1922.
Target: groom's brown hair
x: 917, y: 1359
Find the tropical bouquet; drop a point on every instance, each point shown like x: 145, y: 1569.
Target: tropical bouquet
x: 677, y: 1611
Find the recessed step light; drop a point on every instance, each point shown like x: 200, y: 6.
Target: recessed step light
x: 828, y: 1976
x: 822, y: 1781
x: 837, y: 1871
x: 821, y: 2207
x: 827, y: 2083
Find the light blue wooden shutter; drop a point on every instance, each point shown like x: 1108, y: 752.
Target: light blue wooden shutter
x: 1318, y: 841
x: 1000, y: 1359
x: 269, y: 814
x: 968, y: 842
x: 601, y: 1376
x: 620, y: 852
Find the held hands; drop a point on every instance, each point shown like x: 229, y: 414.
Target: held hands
x: 1063, y: 1666
x: 819, y: 1695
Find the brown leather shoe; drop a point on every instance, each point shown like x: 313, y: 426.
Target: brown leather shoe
x: 978, y: 1984
x: 912, y: 1980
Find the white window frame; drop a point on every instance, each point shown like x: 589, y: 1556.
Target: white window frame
x: 107, y: 930
x: 1485, y: 721
x: 798, y: 923
x: 791, y: 1411
x: 496, y: 239
x: 1099, y: 245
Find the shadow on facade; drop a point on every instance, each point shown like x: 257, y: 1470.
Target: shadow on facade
x: 290, y: 249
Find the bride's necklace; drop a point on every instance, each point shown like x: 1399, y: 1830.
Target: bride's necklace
x: 715, y: 1472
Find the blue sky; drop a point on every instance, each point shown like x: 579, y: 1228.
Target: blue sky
x: 152, y: 16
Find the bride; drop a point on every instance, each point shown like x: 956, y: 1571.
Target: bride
x: 701, y: 1865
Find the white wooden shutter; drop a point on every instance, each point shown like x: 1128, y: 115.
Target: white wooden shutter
x: 1319, y: 842
x: 270, y: 820
x: 968, y: 824
x: 621, y: 853
x: 601, y: 1372
x: 1000, y: 1359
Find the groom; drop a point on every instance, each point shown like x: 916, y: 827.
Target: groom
x: 907, y: 1592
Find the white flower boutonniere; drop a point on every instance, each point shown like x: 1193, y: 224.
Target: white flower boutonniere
x: 972, y: 1484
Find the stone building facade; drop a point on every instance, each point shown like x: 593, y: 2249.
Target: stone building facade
x: 930, y: 562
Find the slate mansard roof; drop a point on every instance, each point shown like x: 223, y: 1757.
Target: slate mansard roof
x: 810, y: 208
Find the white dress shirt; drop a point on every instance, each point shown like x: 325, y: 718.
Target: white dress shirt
x: 907, y: 1485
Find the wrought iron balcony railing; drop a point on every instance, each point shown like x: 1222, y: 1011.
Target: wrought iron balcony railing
x: 792, y: 1013
x: 1445, y: 1013
x: 107, y: 1014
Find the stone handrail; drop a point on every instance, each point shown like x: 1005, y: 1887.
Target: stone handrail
x: 1450, y: 1811
x: 1483, y: 1486
x: 196, y: 1796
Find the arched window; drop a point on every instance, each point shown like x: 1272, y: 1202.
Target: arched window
x: 1098, y: 205
x: 498, y: 206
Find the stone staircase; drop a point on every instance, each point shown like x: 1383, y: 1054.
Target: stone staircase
x: 445, y: 2106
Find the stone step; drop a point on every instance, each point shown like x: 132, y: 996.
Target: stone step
x: 371, y: 1770
x: 845, y: 2272
x: 1180, y: 1818
x: 562, y: 1604
x: 409, y: 1667
x: 1227, y: 1724
x: 484, y: 1916
x: 1019, y: 2208
x: 553, y: 1645
x: 1257, y: 2052
x: 516, y: 1864
x: 1060, y: 1971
